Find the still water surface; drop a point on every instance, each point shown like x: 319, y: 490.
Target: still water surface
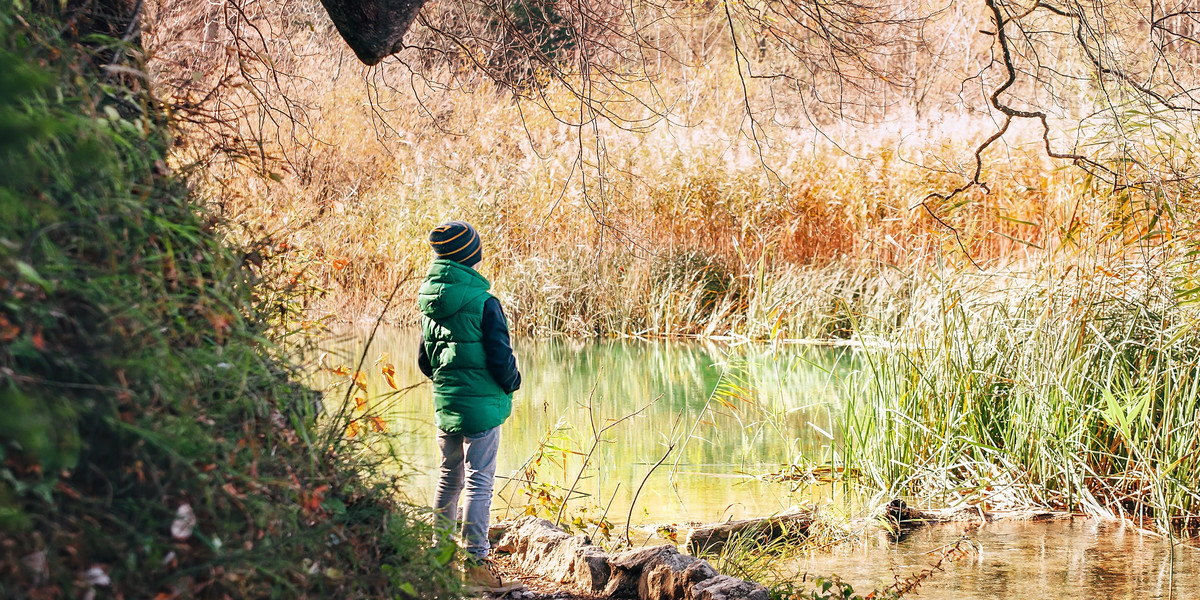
x: 1084, y: 559
x: 782, y: 405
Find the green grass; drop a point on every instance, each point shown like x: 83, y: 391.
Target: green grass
x: 138, y: 380
x: 1082, y: 401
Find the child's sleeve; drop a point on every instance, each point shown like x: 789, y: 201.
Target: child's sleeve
x: 496, y: 343
x: 423, y: 360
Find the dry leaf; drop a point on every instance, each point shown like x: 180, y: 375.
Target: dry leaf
x: 389, y: 374
x: 378, y: 424
x: 8, y: 331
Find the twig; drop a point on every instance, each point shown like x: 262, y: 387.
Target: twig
x: 633, y: 501
x: 597, y: 437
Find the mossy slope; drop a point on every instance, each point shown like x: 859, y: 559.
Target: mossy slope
x: 136, y: 383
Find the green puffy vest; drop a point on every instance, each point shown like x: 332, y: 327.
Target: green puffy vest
x: 465, y: 396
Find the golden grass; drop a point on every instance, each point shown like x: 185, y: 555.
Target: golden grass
x: 589, y: 230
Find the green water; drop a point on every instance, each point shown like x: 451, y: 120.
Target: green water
x: 786, y: 402
x: 783, y: 406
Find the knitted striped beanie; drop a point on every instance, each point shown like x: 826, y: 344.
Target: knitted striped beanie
x: 457, y: 241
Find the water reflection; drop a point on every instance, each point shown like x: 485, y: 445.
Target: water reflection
x: 781, y: 406
x: 1084, y: 558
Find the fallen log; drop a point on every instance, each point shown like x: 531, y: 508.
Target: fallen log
x: 974, y: 514
x: 797, y: 523
x: 710, y: 538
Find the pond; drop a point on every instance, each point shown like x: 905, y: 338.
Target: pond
x: 774, y: 406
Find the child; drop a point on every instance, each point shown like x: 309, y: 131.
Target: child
x: 467, y: 353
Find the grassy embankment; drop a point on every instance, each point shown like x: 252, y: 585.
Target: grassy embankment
x: 154, y: 440
x: 1053, y: 369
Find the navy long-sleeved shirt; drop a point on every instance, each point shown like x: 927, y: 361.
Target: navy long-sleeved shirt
x: 497, y: 344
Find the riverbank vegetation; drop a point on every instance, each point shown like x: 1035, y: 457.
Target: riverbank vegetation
x: 156, y: 441
x: 1007, y: 232
x: 1028, y: 336
x: 1085, y: 401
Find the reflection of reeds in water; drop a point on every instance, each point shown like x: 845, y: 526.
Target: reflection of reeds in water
x: 762, y: 430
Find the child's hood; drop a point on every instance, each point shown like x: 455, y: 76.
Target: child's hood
x: 448, y: 287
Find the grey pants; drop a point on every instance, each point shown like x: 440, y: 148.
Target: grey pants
x: 476, y: 454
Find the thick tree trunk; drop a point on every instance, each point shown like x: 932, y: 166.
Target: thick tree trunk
x: 374, y: 28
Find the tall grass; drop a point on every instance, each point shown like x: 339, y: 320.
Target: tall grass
x: 1080, y: 394
x: 582, y: 243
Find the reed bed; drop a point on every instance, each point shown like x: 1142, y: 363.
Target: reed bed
x: 681, y: 225
x: 1077, y: 393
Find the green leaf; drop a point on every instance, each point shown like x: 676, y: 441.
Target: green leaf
x: 446, y: 555
x: 28, y: 272
x: 1114, y: 414
x: 334, y: 506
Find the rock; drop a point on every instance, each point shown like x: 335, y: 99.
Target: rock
x: 496, y: 532
x: 657, y: 573
x: 591, y: 569
x: 627, y: 568
x: 547, y: 551
x: 577, y: 561
x: 654, y: 573
x: 724, y: 587
x: 667, y: 582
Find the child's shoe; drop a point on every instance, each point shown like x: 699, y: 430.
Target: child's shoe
x: 480, y: 577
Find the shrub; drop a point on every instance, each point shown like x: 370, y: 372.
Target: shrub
x: 154, y: 441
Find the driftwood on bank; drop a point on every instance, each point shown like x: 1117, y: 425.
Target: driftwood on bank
x: 710, y: 538
x: 897, y: 516
x: 972, y: 514
x: 664, y: 573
